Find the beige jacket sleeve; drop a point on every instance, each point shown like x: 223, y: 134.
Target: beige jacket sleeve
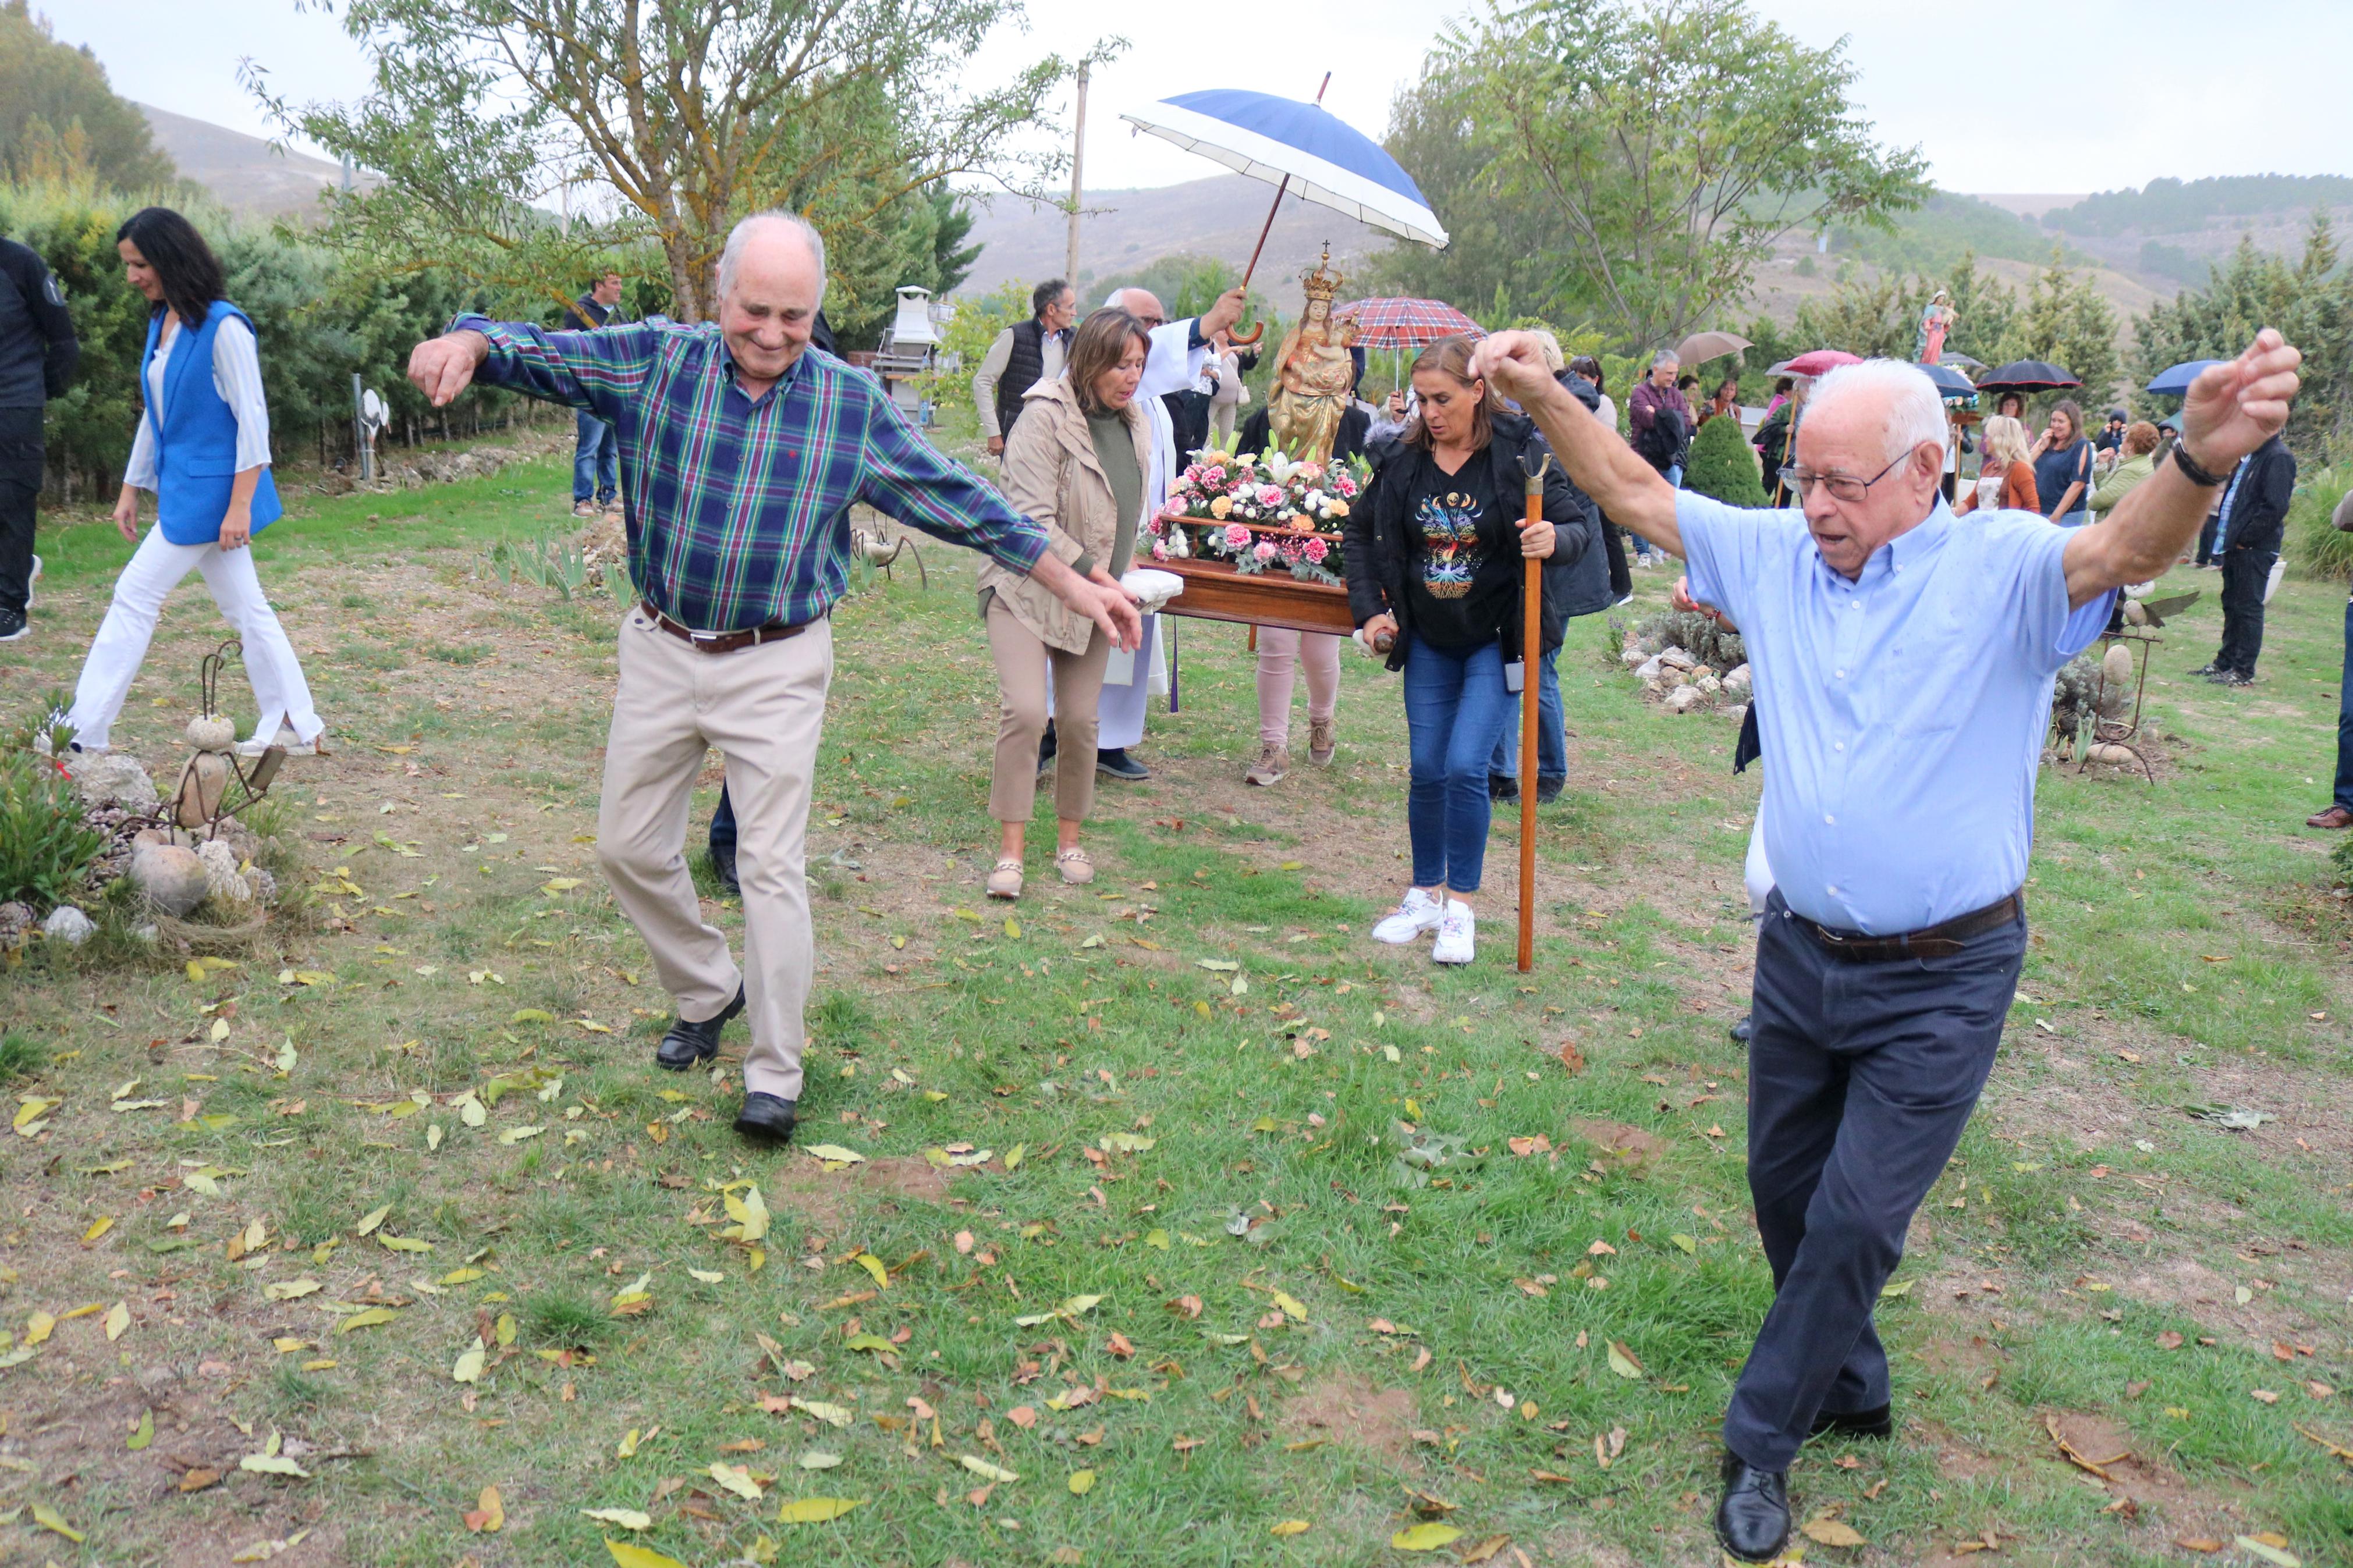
x: 985, y: 379
x: 1032, y: 483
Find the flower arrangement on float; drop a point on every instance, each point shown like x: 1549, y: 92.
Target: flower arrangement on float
x: 1260, y: 512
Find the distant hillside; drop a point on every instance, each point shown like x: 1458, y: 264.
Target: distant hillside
x: 245, y: 173
x: 2173, y: 206
x: 1123, y: 231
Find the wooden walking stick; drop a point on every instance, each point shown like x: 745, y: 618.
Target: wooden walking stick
x: 1531, y: 653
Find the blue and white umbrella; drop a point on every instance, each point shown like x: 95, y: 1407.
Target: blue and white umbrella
x: 1300, y: 146
x: 2174, y: 381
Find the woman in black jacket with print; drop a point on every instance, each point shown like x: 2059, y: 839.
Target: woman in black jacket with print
x: 1433, y: 550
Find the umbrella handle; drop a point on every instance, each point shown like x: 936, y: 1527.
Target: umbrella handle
x: 1248, y: 339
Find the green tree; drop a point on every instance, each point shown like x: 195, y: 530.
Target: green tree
x: 60, y: 120
x: 682, y: 117
x: 2068, y: 322
x: 1646, y: 157
x: 1723, y: 465
x: 2309, y: 300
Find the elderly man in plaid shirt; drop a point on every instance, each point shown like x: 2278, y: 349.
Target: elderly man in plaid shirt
x: 746, y: 450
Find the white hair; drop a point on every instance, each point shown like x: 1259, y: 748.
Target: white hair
x: 1665, y: 356
x: 732, y: 258
x: 1912, y: 407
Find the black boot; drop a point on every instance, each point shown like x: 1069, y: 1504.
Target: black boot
x: 766, y: 1117
x: 690, y: 1043
x: 1502, y: 786
x: 1753, y: 1518
x: 1876, y: 1423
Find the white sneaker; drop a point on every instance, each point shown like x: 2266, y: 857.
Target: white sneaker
x: 284, y: 740
x: 1416, y: 916
x: 32, y: 583
x: 1456, y: 930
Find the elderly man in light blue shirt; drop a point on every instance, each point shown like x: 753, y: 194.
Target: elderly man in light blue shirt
x: 1902, y: 664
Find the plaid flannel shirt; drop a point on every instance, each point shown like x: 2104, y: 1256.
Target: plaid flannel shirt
x: 738, y: 512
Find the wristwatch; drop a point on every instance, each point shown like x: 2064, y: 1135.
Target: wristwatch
x: 2190, y: 469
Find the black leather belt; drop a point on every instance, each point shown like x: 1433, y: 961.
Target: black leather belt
x: 1940, y: 941
x: 725, y: 642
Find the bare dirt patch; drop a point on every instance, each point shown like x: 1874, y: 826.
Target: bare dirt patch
x: 1346, y: 1407
x: 1631, y: 1145
x: 824, y: 1198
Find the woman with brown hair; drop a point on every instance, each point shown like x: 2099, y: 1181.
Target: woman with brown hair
x: 2137, y: 462
x: 2063, y: 467
x: 1074, y: 463
x: 1435, y: 548
x: 2006, y: 479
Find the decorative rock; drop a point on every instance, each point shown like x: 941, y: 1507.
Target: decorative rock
x: 1679, y: 658
x: 1737, y: 713
x: 1738, y: 680
x: 111, y: 778
x: 69, y: 925
x: 1709, y: 684
x: 172, y: 880
x: 1650, y: 670
x: 1632, y: 657
x: 2115, y: 755
x: 2116, y: 665
x: 221, y: 875
x: 1683, y: 699
x: 16, y: 920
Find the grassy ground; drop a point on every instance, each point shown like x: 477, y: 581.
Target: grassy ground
x: 1137, y: 1219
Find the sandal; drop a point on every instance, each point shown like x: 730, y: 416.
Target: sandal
x: 1005, y: 881
x: 1074, y: 866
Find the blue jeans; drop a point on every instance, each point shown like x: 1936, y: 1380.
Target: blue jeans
x: 596, y: 461
x: 2345, y: 720
x: 1455, y: 706
x: 1552, y: 731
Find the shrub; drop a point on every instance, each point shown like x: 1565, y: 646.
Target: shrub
x: 2314, y: 547
x: 1723, y: 465
x: 1702, y: 637
x: 45, y: 847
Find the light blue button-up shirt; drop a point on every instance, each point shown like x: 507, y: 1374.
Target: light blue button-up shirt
x: 1901, y: 713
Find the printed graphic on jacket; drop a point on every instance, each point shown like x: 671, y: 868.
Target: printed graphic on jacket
x: 1449, y: 525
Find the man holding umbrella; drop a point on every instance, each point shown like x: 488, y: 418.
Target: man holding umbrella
x: 1904, y: 664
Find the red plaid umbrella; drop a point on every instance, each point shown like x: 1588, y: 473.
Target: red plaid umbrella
x: 1407, y: 323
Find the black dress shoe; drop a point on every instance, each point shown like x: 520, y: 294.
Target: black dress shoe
x: 1874, y: 1422
x: 1502, y: 786
x: 689, y: 1044
x: 1548, y: 789
x: 768, y: 1118
x: 1753, y: 1519
x: 1741, y: 1030
x: 1114, y: 763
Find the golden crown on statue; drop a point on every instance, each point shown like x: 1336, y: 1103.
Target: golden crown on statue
x: 1322, y: 282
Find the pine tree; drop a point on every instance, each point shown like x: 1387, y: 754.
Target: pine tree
x: 1723, y: 465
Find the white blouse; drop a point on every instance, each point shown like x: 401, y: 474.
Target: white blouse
x: 237, y: 376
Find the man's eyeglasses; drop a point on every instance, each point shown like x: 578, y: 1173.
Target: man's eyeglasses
x: 1842, y: 487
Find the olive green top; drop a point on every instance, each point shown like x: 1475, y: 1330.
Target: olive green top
x: 1115, y: 451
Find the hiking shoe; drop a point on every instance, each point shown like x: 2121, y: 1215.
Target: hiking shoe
x: 1273, y: 761
x: 1323, y: 741
x: 1548, y: 788
x: 1502, y: 786
x: 1117, y: 763
x: 1457, y: 932
x: 1417, y: 915
x: 2231, y: 678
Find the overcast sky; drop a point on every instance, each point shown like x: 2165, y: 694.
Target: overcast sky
x: 2003, y: 97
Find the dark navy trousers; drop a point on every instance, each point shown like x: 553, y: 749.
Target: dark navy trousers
x: 1860, y: 1076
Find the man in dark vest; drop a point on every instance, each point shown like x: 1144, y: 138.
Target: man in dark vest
x: 38, y: 355
x: 1024, y: 354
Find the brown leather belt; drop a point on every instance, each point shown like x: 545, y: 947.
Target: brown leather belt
x: 1940, y: 941
x: 724, y: 642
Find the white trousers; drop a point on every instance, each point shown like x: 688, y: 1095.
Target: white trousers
x: 121, y: 647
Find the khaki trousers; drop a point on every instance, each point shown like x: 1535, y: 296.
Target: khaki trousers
x: 1021, y: 660
x: 763, y: 707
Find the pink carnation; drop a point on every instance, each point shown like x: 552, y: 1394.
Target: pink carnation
x: 1236, y: 536
x: 1159, y: 551
x: 1193, y: 473
x: 1269, y: 495
x: 1345, y: 485
x: 1316, y: 550
x: 1215, y: 474
x: 1264, y: 551
x: 1310, y: 472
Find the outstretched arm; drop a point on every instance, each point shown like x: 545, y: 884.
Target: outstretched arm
x: 2232, y: 409
x: 1630, y: 491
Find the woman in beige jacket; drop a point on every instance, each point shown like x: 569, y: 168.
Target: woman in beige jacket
x: 1076, y: 463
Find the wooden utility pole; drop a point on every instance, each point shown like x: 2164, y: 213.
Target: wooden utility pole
x: 1078, y: 176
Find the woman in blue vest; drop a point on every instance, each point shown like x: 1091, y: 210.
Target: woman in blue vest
x: 203, y: 448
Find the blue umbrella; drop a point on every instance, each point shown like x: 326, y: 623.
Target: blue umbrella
x: 1300, y: 146
x: 2174, y: 381
x: 1950, y: 383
